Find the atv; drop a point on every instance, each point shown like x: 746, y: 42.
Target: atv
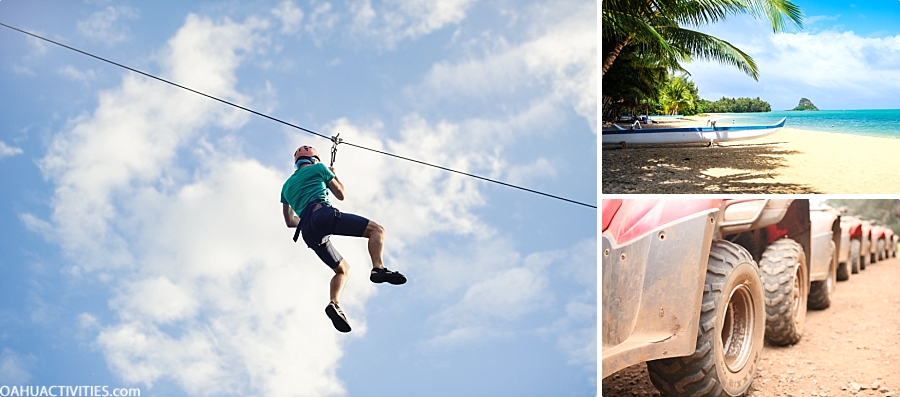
x: 679, y: 297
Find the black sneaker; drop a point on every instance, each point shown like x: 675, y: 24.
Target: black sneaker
x: 336, y: 315
x: 384, y: 275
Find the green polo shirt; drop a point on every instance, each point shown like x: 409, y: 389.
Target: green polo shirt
x: 305, y: 185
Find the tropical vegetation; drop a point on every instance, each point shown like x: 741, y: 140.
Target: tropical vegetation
x: 885, y: 212
x: 677, y: 95
x: 644, y: 40
x: 805, y: 104
x: 735, y: 105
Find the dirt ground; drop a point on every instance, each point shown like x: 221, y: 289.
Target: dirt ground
x: 850, y: 349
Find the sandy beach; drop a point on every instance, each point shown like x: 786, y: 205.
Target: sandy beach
x: 790, y: 161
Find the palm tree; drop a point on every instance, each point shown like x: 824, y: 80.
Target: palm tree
x: 656, y: 25
x: 676, y: 96
x: 636, y: 77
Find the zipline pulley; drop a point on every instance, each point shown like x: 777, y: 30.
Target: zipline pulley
x: 335, y: 141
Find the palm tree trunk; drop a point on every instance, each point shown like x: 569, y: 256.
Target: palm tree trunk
x: 611, y: 57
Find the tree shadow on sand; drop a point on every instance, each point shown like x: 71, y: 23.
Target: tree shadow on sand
x: 696, y: 169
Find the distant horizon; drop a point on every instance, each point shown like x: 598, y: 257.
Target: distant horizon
x: 792, y: 110
x: 783, y: 110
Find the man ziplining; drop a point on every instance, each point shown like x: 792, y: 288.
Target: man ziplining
x: 307, y: 189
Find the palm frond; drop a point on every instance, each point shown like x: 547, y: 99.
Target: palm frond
x: 703, y: 46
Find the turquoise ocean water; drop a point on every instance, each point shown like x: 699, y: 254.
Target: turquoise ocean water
x: 879, y: 122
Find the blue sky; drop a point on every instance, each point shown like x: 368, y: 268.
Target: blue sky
x: 142, y: 240
x: 847, y: 56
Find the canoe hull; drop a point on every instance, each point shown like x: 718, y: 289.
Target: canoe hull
x: 691, y: 134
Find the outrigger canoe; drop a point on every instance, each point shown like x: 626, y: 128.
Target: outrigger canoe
x: 691, y: 134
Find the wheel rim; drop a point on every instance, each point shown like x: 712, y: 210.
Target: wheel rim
x: 829, y: 282
x: 798, y: 293
x: 832, y: 272
x: 737, y: 328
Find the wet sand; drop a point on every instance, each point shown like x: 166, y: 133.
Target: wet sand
x: 790, y: 161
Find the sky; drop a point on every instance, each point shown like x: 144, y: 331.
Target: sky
x: 143, y: 243
x: 846, y: 56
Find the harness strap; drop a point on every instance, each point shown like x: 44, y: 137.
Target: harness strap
x: 313, y: 207
x: 297, y: 233
x: 334, y: 220
x: 310, y: 208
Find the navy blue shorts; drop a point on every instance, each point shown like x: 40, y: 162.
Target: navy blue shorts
x: 320, y: 224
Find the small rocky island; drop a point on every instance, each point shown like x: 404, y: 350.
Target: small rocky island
x: 805, y: 104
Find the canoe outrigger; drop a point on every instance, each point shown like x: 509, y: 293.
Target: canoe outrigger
x: 711, y: 134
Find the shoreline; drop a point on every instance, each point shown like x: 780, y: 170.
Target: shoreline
x: 788, y: 162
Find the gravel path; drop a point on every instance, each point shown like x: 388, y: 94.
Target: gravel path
x: 849, y: 349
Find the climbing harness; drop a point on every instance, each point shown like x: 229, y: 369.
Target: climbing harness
x: 336, y: 140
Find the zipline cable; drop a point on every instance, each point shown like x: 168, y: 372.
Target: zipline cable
x: 165, y: 81
x: 471, y: 175
x: 334, y: 139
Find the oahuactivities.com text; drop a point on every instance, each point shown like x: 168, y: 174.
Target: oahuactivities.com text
x: 68, y: 391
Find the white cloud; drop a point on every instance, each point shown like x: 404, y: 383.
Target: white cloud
x: 835, y: 69
x: 213, y: 293
x: 126, y: 138
x: 508, y: 288
x: 564, y: 55
x: 104, y: 25
x: 140, y: 355
x: 836, y: 60
x: 77, y: 75
x: 321, y: 22
x: 154, y: 196
x: 36, y: 50
x: 395, y: 21
x: 8, y: 151
x: 22, y: 70
x: 244, y: 291
x: 576, y: 331
x: 427, y: 16
x: 171, y: 303
x: 290, y: 16
x: 540, y: 168
x: 38, y: 226
x: 811, y: 20
x: 209, y: 291
x: 422, y: 200
x: 580, y: 343
x: 14, y: 368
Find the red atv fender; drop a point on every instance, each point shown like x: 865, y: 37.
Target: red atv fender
x: 654, y: 261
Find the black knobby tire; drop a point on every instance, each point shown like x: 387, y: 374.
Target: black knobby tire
x: 748, y: 243
x: 730, y: 337
x: 863, y: 259
x: 843, y: 271
x: 854, y: 256
x: 786, y: 283
x: 820, y: 291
